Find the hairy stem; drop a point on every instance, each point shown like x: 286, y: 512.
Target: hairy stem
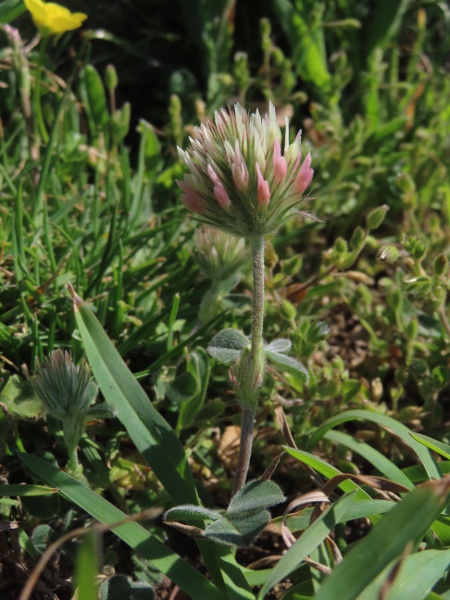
x: 248, y: 412
x: 245, y: 448
x: 258, y: 295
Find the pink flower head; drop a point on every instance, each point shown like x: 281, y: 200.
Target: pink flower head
x: 304, y: 175
x: 220, y: 193
x: 239, y: 169
x: 263, y: 189
x: 279, y: 163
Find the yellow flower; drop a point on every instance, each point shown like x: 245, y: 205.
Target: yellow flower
x: 51, y: 18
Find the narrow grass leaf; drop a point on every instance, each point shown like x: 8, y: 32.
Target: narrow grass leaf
x: 378, y: 460
x: 150, y: 432
x: 406, y: 523
x: 324, y: 469
x: 12, y: 489
x: 418, y: 574
x: 87, y: 566
x: 400, y: 430
x: 438, y: 447
x: 10, y: 10
x: 310, y: 539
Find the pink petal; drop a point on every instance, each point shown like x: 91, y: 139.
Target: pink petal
x: 279, y: 163
x: 263, y: 189
x: 239, y: 169
x: 304, y: 176
x: 220, y: 193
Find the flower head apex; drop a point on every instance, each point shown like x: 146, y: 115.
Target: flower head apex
x: 241, y: 178
x: 51, y: 18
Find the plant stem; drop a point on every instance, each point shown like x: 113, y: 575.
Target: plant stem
x: 443, y: 318
x: 256, y: 352
x: 245, y: 448
x: 258, y: 295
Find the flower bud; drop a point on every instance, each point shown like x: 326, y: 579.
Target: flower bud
x: 376, y: 217
x: 111, y: 79
x: 357, y: 239
x: 64, y: 389
x: 389, y: 254
x: 440, y: 265
x: 219, y: 254
x: 287, y: 310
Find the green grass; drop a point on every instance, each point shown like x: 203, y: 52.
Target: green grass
x: 95, y: 205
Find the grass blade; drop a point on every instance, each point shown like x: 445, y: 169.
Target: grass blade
x: 87, y: 566
x: 378, y: 460
x: 325, y: 469
x: 418, y: 574
x: 11, y: 489
x: 310, y: 539
x: 400, y: 430
x: 150, y: 432
x: 438, y: 447
x: 406, y: 523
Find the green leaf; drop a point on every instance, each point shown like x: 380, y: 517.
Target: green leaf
x: 192, y: 514
x: 133, y: 534
x: 306, y: 42
x: 20, y: 400
x: 149, y: 151
x: 310, y: 539
x: 418, y: 574
x: 150, y: 432
x: 200, y: 368
x: 94, y: 98
x: 398, y: 429
x: 10, y: 10
x: 254, y: 496
x: 406, y: 523
x: 279, y: 346
x: 239, y: 531
x: 288, y: 363
x: 384, y: 23
x: 183, y: 388
x: 378, y: 460
x: 227, y: 345
x: 325, y: 469
x: 87, y: 566
x: 119, y: 587
x: 11, y: 489
x: 438, y: 447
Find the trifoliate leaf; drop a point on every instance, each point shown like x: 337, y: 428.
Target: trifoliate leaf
x: 183, y: 388
x: 20, y: 400
x: 289, y: 364
x: 224, y: 532
x: 241, y: 531
x: 281, y: 345
x: 254, y: 496
x: 227, y: 345
x: 191, y: 514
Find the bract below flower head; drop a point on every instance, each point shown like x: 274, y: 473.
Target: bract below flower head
x: 239, y: 179
x: 51, y: 18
